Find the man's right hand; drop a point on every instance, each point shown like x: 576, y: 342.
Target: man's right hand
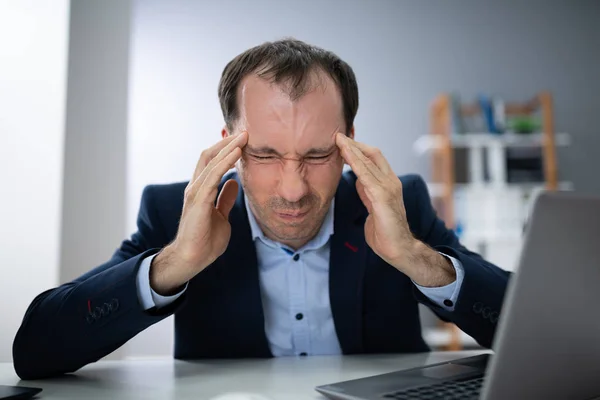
x: 204, y: 229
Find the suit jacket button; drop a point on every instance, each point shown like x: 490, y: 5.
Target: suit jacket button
x: 114, y: 304
x: 486, y: 312
x: 494, y: 317
x: 477, y: 307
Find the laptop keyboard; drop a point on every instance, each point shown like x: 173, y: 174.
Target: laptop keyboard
x: 450, y: 390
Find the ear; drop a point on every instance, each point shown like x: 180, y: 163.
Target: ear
x: 224, y: 132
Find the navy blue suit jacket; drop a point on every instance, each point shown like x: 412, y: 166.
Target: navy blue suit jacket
x: 374, y: 306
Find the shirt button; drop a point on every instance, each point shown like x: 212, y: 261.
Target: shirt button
x: 303, y: 354
x: 448, y: 303
x: 296, y: 257
x: 299, y: 316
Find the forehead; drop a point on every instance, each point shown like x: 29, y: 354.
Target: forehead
x: 289, y: 125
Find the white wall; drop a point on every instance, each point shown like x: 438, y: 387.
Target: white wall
x: 94, y: 191
x: 403, y: 53
x: 95, y: 135
x: 33, y: 68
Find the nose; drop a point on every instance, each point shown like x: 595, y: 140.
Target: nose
x: 292, y: 185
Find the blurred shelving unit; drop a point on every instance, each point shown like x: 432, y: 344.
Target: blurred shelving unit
x: 488, y: 207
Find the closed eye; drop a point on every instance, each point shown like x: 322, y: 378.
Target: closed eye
x: 263, y: 158
x: 314, y: 159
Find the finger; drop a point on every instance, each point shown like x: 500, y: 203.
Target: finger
x: 363, y: 196
x: 239, y: 142
x: 360, y: 164
x: 210, y: 153
x: 227, y: 197
x: 368, y: 163
x: 374, y: 154
x: 208, y: 190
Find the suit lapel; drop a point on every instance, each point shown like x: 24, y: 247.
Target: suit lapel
x: 348, y: 254
x: 347, y: 266
x: 243, y: 276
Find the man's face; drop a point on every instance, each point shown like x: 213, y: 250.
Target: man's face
x: 290, y: 167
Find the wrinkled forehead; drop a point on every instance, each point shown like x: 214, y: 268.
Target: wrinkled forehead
x: 290, y: 125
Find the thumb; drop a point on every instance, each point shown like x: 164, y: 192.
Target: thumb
x: 227, y: 197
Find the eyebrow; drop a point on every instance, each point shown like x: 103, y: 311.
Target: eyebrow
x: 321, y: 151
x: 265, y: 150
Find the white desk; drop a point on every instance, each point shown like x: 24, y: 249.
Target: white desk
x: 277, y: 379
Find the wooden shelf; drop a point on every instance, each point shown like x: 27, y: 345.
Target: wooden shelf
x: 438, y: 189
x: 428, y: 143
x: 440, y: 146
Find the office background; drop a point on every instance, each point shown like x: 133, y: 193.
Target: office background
x: 100, y: 98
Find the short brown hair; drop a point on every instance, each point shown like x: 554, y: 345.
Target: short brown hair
x: 290, y: 62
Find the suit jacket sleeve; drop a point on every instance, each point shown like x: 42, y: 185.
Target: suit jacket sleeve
x: 482, y: 292
x: 83, y: 320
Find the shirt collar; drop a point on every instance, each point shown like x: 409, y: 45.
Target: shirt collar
x: 317, y: 242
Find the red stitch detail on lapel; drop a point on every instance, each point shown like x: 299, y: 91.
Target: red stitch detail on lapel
x: 353, y: 248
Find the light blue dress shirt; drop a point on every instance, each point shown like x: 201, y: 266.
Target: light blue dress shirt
x: 295, y: 292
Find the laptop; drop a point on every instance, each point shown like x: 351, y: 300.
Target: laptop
x: 547, y: 343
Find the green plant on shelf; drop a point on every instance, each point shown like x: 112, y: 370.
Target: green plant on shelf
x: 524, y: 124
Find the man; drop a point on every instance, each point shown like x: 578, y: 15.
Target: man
x: 287, y: 255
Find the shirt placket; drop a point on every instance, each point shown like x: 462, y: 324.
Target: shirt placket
x: 298, y: 305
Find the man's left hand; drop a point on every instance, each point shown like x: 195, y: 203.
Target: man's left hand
x: 386, y: 228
